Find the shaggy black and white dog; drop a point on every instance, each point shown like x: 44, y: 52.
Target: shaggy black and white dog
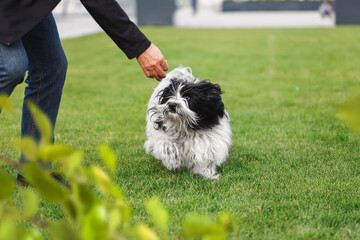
x: 187, y: 124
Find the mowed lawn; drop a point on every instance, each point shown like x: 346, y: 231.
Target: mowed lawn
x: 294, y: 168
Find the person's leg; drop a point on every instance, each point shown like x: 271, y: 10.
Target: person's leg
x: 46, y: 75
x: 13, y: 65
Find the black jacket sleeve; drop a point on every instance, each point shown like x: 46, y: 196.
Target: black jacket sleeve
x: 115, y: 22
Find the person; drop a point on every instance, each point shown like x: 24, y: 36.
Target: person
x: 29, y: 41
x: 194, y: 6
x: 325, y: 9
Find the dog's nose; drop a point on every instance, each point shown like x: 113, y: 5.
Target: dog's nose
x: 172, y: 107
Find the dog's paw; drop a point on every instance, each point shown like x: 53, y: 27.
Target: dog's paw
x: 215, y: 177
x: 173, y: 164
x: 207, y: 173
x: 210, y: 177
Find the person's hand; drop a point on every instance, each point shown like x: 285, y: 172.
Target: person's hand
x: 153, y: 63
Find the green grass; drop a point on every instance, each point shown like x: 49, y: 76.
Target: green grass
x: 294, y: 168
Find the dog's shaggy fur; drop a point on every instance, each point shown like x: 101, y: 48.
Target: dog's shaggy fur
x: 187, y: 124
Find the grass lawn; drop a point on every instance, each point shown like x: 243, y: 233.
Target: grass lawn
x: 294, y: 168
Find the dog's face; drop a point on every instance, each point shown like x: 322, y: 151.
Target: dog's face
x: 198, y: 104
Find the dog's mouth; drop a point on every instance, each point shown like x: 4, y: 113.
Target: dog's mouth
x: 172, y: 114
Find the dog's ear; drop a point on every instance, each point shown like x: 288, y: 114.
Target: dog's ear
x: 214, y: 95
x: 205, y: 100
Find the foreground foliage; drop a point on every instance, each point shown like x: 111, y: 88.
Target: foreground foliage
x: 95, y: 207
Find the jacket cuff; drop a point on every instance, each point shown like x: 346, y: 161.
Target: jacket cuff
x: 137, y: 49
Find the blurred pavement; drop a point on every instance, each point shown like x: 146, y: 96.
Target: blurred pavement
x: 82, y: 24
x: 76, y: 26
x: 254, y: 19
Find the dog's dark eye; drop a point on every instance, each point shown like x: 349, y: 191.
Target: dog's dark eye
x: 187, y: 98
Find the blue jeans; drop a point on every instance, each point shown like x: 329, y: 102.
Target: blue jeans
x: 41, y: 54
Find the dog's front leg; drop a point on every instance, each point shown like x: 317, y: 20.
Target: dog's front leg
x: 169, y: 155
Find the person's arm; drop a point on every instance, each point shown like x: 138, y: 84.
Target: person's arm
x: 127, y: 36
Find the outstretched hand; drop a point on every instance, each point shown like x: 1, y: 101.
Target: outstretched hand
x: 153, y: 63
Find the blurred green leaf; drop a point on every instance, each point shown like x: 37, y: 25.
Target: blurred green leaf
x: 30, y: 202
x: 100, y: 178
x: 103, y: 181
x: 28, y: 148
x: 116, y: 192
x: 73, y: 162
x: 114, y: 219
x: 44, y: 183
x: 94, y: 225
x: 143, y: 232
x: 7, y: 185
x: 125, y: 211
x: 349, y: 112
x: 10, y: 230
x: 54, y: 152
x: 64, y: 231
x: 10, y: 212
x: 42, y: 121
x: 201, y: 226
x: 6, y: 104
x: 225, y: 219
x: 71, y: 208
x: 196, y: 226
x: 108, y: 156
x: 217, y: 232
x: 158, y: 213
x: 31, y: 234
x: 84, y: 196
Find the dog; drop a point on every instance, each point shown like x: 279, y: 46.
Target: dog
x: 187, y: 125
